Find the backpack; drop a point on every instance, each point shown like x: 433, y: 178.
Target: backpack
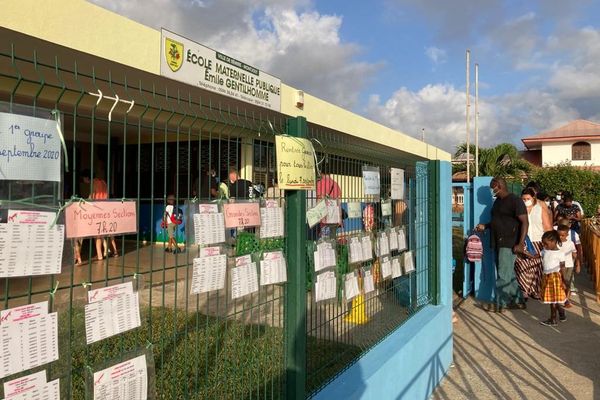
x: 474, y: 248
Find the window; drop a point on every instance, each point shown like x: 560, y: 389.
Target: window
x: 581, y: 151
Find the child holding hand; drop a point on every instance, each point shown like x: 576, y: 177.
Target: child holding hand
x: 553, y: 285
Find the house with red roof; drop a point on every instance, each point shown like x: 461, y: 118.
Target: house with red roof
x: 577, y: 143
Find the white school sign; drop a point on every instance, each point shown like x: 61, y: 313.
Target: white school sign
x: 189, y: 62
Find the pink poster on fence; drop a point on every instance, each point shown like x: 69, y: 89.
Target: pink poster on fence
x: 100, y: 218
x: 238, y: 215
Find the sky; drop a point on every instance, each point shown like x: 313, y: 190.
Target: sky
x: 402, y: 62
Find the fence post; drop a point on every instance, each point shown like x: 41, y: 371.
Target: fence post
x: 295, y: 304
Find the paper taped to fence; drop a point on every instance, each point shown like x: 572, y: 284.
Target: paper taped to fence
x: 100, y: 218
x: 123, y: 381
x: 295, y: 163
x: 29, y: 148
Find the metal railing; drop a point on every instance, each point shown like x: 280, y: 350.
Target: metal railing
x: 151, y: 138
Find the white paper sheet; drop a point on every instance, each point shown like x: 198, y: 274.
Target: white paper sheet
x: 324, y: 256
x: 354, y: 209
x: 386, y: 208
x: 393, y: 235
x: 325, y: 286
x: 29, y: 249
x: 209, y: 228
x: 401, y: 240
x: 209, y: 274
x: 409, y: 265
x: 371, y: 181
x: 47, y: 391
x: 386, y: 268
x: 209, y: 251
x: 396, y: 269
x: 107, y: 318
x: 30, y: 217
x: 21, y: 313
x: 334, y: 212
x: 397, y: 183
x: 355, y: 250
x: 244, y: 280
x: 24, y: 384
x: 124, y: 381
x: 316, y: 214
x: 367, y: 248
x: 28, y: 343
x: 271, y: 222
x: 273, y: 268
x: 110, y: 292
x: 368, y: 283
x: 383, y: 245
x: 351, y: 289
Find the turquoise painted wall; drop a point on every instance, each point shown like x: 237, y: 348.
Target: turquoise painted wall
x: 410, y: 362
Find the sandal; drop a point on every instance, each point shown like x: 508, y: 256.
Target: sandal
x: 549, y: 322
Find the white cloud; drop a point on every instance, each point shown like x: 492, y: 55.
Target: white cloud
x: 285, y: 38
x: 436, y: 55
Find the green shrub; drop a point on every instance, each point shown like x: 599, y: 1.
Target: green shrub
x: 584, y: 184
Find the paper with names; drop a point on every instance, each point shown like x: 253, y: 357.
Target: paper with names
x: 386, y: 268
x: 36, y: 390
x: 397, y: 183
x: 30, y: 217
x: 393, y: 235
x: 401, y: 239
x: 334, y: 212
x: 368, y: 282
x: 244, y: 280
x: 24, y: 384
x: 386, y: 208
x: 409, y: 265
x: 367, y: 248
x: 316, y: 214
x: 124, y: 381
x: 107, y: 318
x: 325, y: 286
x: 324, y: 256
x: 396, y: 268
x: 27, y: 342
x: 383, y: 245
x: 355, y: 250
x: 371, y: 180
x: 110, y: 292
x: 271, y: 222
x: 354, y: 209
x: 209, y: 225
x: 351, y: 289
x: 30, y: 249
x: 209, y: 274
x: 273, y: 268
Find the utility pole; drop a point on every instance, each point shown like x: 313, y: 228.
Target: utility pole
x: 468, y: 120
x: 476, y: 119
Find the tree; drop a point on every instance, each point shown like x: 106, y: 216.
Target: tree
x: 502, y: 160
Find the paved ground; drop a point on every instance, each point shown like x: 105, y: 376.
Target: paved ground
x: 512, y: 356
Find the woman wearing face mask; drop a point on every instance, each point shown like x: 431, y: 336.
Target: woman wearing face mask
x: 528, y: 269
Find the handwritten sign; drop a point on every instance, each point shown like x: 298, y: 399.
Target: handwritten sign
x: 372, y: 180
x: 29, y: 148
x: 100, y: 218
x: 239, y: 215
x: 354, y: 209
x: 295, y: 163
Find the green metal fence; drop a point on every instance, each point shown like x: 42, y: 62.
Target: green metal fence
x: 148, y: 137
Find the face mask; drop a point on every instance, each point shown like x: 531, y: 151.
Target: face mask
x: 493, y: 193
x: 547, y: 203
x: 558, y: 197
x: 528, y: 203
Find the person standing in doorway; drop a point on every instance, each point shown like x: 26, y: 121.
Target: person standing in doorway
x: 509, y: 227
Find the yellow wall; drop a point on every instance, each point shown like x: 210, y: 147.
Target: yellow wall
x: 86, y: 27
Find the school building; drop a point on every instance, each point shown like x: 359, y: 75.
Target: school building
x: 152, y: 113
